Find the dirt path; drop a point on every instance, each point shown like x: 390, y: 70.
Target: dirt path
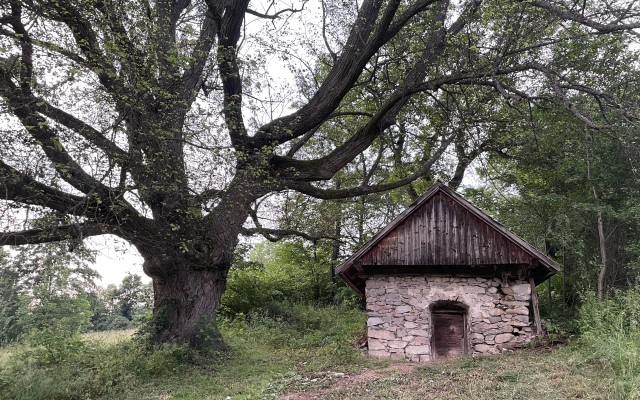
x: 351, y: 381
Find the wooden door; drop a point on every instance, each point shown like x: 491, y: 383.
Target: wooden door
x: 449, y: 335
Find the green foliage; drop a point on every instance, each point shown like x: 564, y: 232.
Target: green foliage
x: 97, y: 370
x: 610, y: 335
x: 52, y: 345
x: 13, y: 306
x: 263, y: 350
x: 113, y: 322
x: 121, y: 306
x: 291, y: 271
x: 69, y: 314
x: 44, y: 297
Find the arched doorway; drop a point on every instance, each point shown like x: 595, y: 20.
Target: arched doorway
x: 449, y: 338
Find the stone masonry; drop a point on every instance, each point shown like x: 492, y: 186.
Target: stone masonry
x: 399, y: 314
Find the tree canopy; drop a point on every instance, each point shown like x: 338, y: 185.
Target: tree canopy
x: 168, y: 122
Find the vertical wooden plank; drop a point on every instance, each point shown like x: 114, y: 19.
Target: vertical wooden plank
x: 429, y: 236
x: 385, y: 250
x: 434, y: 231
x: 396, y: 245
x: 479, y: 240
x: 440, y: 231
x: 472, y: 258
x: 497, y: 247
x: 419, y: 257
x: 486, y: 251
x: 492, y: 245
x: 443, y: 230
x: 456, y: 233
x: 534, y: 305
x: 422, y: 235
x: 464, y: 251
x: 402, y: 242
x: 418, y: 242
x: 512, y: 254
x: 408, y: 236
x: 467, y: 238
x: 473, y: 232
x: 412, y: 242
x: 504, y: 250
x: 448, y: 234
x: 460, y: 234
x: 444, y: 254
x: 408, y: 241
x: 455, y: 243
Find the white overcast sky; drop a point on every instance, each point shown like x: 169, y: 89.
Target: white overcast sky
x: 115, y: 258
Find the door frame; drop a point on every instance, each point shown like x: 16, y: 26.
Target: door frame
x: 451, y: 308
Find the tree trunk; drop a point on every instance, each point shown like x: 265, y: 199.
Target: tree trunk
x: 185, y: 305
x: 602, y: 240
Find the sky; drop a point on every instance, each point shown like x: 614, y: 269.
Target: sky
x: 115, y: 258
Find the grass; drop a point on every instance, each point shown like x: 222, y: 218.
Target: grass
x: 525, y: 374
x: 304, y: 353
x: 263, y: 351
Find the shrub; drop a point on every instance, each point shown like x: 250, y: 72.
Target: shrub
x: 610, y: 334
x: 113, y: 322
x: 284, y: 271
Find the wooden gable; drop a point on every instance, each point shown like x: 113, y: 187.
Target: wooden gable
x: 441, y: 232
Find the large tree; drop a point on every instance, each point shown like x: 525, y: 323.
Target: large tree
x: 160, y: 121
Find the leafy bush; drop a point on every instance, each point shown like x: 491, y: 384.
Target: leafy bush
x: 113, y: 322
x: 293, y: 271
x: 610, y: 334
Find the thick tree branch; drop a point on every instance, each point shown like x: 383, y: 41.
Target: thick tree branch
x: 56, y: 234
x: 21, y: 188
x: 80, y: 127
x: 324, y: 168
x: 403, y: 19
x: 48, y: 139
x: 167, y: 15
x: 26, y: 58
x: 230, y: 72
x: 566, y: 14
x: 193, y: 78
x: 364, y: 40
x: 332, y: 194
x: 275, y: 235
x: 327, y: 166
x: 86, y: 39
x: 277, y: 14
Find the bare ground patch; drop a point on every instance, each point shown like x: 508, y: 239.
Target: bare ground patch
x: 348, y: 382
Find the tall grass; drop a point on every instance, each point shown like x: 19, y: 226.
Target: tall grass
x: 263, y: 348
x: 610, y: 337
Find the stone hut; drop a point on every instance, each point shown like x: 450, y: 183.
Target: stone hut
x: 444, y: 279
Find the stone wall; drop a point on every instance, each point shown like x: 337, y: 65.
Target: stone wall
x: 399, y: 314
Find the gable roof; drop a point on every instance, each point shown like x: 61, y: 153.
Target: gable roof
x: 446, y: 233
